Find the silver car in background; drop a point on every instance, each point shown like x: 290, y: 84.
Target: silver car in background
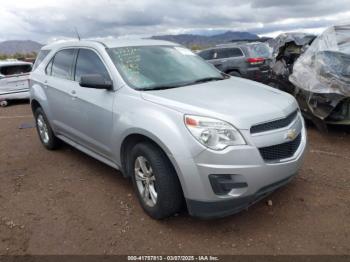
x: 185, y: 133
x: 14, y: 80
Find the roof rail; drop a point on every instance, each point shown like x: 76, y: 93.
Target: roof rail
x: 97, y: 41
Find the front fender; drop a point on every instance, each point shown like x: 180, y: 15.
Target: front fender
x: 160, y: 124
x: 163, y: 125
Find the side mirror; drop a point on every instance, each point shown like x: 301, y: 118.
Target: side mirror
x: 95, y: 81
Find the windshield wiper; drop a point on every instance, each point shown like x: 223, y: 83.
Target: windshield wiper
x: 198, y: 81
x: 158, y: 87
x: 207, y: 79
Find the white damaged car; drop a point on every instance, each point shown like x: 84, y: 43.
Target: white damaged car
x: 14, y: 80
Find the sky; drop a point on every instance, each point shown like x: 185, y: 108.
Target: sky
x: 46, y: 21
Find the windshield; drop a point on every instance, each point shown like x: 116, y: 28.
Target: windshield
x: 259, y: 50
x: 161, y: 67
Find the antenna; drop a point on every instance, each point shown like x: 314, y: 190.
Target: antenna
x: 76, y: 31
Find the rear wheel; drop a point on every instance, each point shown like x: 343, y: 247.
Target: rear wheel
x: 235, y: 73
x: 155, y: 181
x: 46, y: 135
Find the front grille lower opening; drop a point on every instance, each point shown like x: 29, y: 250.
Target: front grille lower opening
x: 281, y: 151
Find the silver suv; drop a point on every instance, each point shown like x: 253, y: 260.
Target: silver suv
x: 186, y: 134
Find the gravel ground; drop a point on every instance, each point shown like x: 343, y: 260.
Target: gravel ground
x: 65, y: 202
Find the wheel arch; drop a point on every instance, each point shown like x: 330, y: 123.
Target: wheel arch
x: 137, y: 137
x: 233, y: 70
x: 34, y: 104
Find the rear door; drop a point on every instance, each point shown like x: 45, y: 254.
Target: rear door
x: 93, y: 120
x: 59, y: 86
x: 226, y: 59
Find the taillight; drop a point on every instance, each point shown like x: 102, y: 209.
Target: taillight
x: 256, y: 60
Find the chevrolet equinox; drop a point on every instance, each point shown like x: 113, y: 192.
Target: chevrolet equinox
x: 186, y: 134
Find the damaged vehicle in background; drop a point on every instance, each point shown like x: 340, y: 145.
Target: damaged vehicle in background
x: 241, y: 59
x: 14, y: 80
x: 317, y: 72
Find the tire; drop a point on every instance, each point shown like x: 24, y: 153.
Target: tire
x: 46, y: 135
x: 235, y: 73
x: 161, y: 175
x: 3, y: 103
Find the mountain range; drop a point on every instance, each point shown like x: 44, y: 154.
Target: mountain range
x: 204, y: 40
x: 207, y: 40
x: 19, y: 46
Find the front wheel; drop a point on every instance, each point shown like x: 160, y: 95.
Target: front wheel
x: 46, y: 135
x: 155, y: 181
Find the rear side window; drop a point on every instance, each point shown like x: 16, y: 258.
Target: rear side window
x: 41, y: 56
x: 15, y: 70
x: 62, y: 64
x: 228, y: 52
x: 206, y: 55
x: 89, y: 63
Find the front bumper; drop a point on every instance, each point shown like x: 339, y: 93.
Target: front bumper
x: 217, y: 209
x: 254, y: 177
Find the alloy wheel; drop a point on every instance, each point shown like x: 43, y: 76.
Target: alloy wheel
x: 145, y: 181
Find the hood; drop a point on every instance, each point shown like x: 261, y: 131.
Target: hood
x: 240, y: 102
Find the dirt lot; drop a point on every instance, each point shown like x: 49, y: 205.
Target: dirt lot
x: 65, y: 202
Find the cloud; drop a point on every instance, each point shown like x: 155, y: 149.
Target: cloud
x: 42, y: 20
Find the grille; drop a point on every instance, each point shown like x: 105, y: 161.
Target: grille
x: 274, y: 124
x: 281, y: 151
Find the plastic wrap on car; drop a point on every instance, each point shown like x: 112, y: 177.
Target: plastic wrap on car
x: 324, y: 68
x: 300, y: 39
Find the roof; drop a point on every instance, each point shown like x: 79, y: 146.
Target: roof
x: 235, y: 44
x: 240, y: 43
x: 13, y: 63
x: 110, y: 43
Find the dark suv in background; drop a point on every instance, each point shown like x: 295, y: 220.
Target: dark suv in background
x: 248, y: 60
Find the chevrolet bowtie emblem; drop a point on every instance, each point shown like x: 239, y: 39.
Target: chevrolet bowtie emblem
x: 291, y: 135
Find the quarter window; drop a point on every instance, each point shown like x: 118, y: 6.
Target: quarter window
x: 89, y: 63
x: 62, y: 64
x: 48, y: 69
x: 41, y: 56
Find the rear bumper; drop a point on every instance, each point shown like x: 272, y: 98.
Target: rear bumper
x: 257, y: 74
x: 15, y: 94
x: 218, y: 209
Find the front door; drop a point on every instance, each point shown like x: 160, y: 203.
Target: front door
x: 94, y: 117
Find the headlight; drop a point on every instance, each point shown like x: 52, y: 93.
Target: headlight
x: 213, y: 133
